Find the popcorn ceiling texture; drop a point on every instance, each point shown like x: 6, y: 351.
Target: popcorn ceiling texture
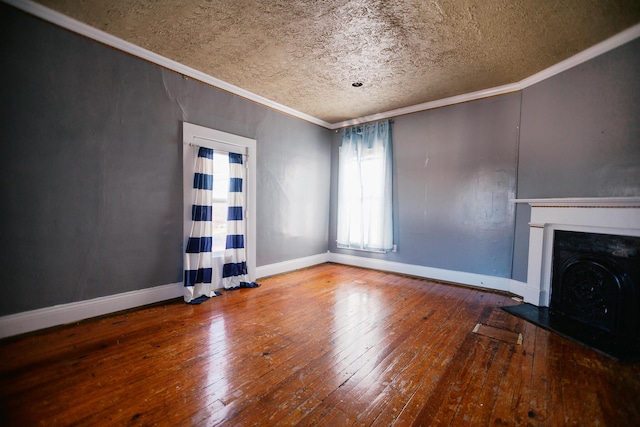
x: 306, y: 53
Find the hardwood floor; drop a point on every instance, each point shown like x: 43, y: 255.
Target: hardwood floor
x: 329, y: 345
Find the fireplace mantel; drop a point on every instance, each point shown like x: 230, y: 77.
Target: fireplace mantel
x: 582, y: 202
x: 609, y: 215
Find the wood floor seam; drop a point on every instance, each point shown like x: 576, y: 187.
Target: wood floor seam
x: 329, y: 345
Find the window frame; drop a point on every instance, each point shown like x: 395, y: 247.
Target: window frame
x: 363, y: 156
x: 199, y: 136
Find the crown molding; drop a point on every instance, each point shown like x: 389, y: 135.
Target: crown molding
x: 71, y: 24
x: 472, y: 96
x: 596, y: 50
x: 577, y: 59
x: 92, y: 33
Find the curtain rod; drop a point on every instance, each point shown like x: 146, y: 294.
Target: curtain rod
x: 225, y: 147
x: 363, y: 123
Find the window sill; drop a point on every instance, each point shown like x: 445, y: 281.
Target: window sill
x: 395, y: 249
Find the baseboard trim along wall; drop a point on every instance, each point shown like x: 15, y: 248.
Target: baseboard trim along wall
x: 460, y: 277
x: 470, y: 279
x: 291, y: 265
x: 528, y: 293
x: 29, y: 321
x: 34, y: 320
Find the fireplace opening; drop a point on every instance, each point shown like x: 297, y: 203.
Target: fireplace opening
x: 596, y: 282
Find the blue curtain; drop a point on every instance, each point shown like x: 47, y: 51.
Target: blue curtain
x: 365, y: 213
x: 234, y: 270
x: 198, y: 261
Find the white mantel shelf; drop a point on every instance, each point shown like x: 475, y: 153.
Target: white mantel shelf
x: 606, y: 215
x: 591, y: 202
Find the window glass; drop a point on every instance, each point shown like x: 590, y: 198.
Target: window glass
x: 365, y: 211
x: 220, y: 196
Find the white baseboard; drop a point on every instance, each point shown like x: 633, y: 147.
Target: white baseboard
x: 532, y: 295
x: 29, y: 321
x: 471, y: 279
x: 291, y: 265
x: 34, y: 320
x: 527, y: 293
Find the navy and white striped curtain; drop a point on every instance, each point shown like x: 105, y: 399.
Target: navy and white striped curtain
x: 198, y: 261
x: 234, y: 270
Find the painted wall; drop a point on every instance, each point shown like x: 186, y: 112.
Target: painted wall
x: 90, y: 166
x: 454, y: 172
x: 91, y: 169
x: 580, y: 136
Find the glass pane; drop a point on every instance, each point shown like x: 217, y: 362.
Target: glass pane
x: 219, y: 226
x: 220, y: 195
x: 220, y: 175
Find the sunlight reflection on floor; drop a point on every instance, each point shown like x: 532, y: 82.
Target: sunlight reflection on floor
x: 360, y: 311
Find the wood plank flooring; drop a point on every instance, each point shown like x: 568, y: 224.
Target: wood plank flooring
x: 329, y: 345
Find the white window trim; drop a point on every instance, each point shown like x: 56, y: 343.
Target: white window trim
x: 194, y: 135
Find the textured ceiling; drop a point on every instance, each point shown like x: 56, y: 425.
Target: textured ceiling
x: 305, y: 54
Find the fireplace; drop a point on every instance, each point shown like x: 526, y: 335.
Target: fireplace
x: 596, y: 280
x: 583, y: 277
x: 611, y: 215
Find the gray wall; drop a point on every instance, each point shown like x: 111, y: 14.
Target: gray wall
x: 91, y: 179
x: 293, y: 189
x: 580, y: 136
x: 454, y: 172
x: 90, y: 165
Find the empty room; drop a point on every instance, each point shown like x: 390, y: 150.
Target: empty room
x: 326, y: 213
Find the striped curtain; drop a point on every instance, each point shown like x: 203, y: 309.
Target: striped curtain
x: 198, y: 261
x: 234, y: 270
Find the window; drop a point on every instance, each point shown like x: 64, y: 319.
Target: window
x: 220, y: 201
x: 365, y: 212
x: 222, y: 143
